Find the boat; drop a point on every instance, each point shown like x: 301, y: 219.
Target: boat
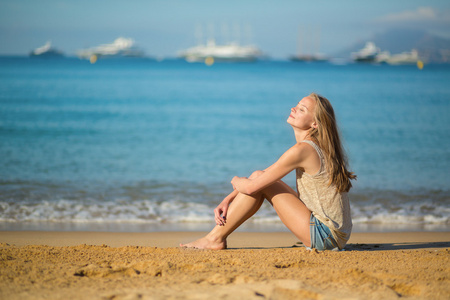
x: 404, y: 58
x: 371, y: 53
x: 46, y: 51
x: 367, y: 54
x: 310, y: 41
x: 308, y: 58
x: 211, y: 52
x: 383, y: 57
x: 121, y: 47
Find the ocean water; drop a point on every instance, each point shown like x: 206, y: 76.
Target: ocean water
x: 141, y: 145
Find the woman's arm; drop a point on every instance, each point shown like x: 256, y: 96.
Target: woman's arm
x: 293, y: 158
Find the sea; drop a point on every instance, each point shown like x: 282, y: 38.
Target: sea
x: 140, y: 145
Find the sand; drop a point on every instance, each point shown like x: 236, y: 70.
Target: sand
x: 102, y: 265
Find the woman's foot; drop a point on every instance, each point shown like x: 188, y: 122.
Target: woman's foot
x: 207, y: 243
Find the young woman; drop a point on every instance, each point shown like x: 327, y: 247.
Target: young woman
x: 318, y: 213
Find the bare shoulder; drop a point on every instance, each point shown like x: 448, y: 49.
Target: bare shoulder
x: 302, y: 149
x: 300, y: 152
x: 302, y: 155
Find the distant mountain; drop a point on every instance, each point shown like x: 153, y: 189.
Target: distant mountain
x: 431, y: 48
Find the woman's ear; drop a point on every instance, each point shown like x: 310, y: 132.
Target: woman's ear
x: 314, y: 125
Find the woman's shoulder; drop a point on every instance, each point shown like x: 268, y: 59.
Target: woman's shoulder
x: 302, y: 150
x: 307, y: 157
x: 304, y: 146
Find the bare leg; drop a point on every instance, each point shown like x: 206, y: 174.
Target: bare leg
x: 291, y: 210
x: 242, y: 208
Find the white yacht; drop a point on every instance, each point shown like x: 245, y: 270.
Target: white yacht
x: 211, y: 52
x: 367, y: 54
x: 46, y: 51
x: 411, y: 57
x: 121, y: 47
x: 371, y: 53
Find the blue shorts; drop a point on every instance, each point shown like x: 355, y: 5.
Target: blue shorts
x: 321, y: 238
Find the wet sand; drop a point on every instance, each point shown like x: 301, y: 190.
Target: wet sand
x: 107, y: 265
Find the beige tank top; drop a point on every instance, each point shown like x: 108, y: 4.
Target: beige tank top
x: 326, y: 204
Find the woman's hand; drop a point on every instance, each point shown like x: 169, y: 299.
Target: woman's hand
x: 220, y: 213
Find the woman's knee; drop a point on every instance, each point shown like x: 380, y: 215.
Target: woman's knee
x: 256, y: 174
x: 278, y: 188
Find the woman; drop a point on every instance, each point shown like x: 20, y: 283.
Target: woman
x: 319, y: 212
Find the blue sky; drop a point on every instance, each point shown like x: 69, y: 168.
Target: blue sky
x: 161, y: 28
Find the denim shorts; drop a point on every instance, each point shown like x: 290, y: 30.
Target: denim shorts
x: 321, y: 238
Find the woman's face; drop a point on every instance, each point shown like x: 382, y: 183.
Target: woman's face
x: 302, y: 115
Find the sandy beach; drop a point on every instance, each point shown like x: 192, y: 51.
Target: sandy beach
x: 108, y: 265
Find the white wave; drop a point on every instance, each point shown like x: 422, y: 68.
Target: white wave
x: 401, y: 214
x: 177, y: 211
x: 145, y: 211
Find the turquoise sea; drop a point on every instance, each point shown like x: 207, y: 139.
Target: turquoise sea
x: 144, y: 145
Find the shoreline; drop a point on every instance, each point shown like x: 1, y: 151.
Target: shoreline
x: 161, y: 239
x: 127, y: 265
x: 200, y: 227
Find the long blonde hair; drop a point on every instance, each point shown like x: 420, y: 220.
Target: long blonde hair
x: 326, y: 135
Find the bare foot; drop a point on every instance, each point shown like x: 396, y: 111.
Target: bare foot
x: 207, y: 243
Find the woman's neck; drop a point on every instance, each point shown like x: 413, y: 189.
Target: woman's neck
x: 301, y: 135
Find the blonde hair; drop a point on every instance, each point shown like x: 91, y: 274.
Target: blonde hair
x: 326, y: 135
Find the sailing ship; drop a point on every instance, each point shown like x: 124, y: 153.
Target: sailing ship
x: 212, y: 52
x: 308, y: 57
x: 231, y: 50
x: 312, y: 41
